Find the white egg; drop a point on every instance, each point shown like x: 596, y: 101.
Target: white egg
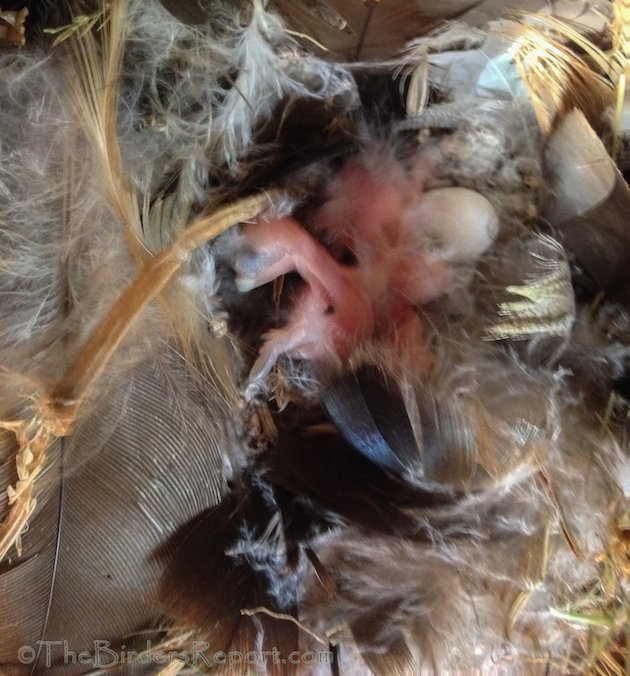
x: 461, y: 223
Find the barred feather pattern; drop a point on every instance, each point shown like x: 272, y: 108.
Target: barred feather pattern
x: 547, y: 304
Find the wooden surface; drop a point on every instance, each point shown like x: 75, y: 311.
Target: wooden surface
x: 358, y: 29
x: 351, y: 30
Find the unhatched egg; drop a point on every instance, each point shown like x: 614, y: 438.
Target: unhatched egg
x: 461, y: 223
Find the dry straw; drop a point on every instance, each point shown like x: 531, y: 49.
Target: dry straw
x: 559, y: 79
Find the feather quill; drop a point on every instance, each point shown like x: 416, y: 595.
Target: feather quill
x: 591, y: 198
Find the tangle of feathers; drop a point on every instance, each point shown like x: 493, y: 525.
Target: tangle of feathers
x: 306, y: 369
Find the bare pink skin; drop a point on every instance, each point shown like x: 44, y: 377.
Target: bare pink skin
x: 332, y: 312
x: 342, y: 306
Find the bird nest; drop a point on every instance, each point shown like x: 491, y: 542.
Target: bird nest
x: 314, y: 352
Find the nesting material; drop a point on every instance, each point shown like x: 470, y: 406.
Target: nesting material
x: 287, y: 372
x: 12, y: 28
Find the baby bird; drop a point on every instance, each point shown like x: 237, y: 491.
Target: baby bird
x: 372, y: 256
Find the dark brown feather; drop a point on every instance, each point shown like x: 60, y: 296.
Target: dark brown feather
x: 124, y: 488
